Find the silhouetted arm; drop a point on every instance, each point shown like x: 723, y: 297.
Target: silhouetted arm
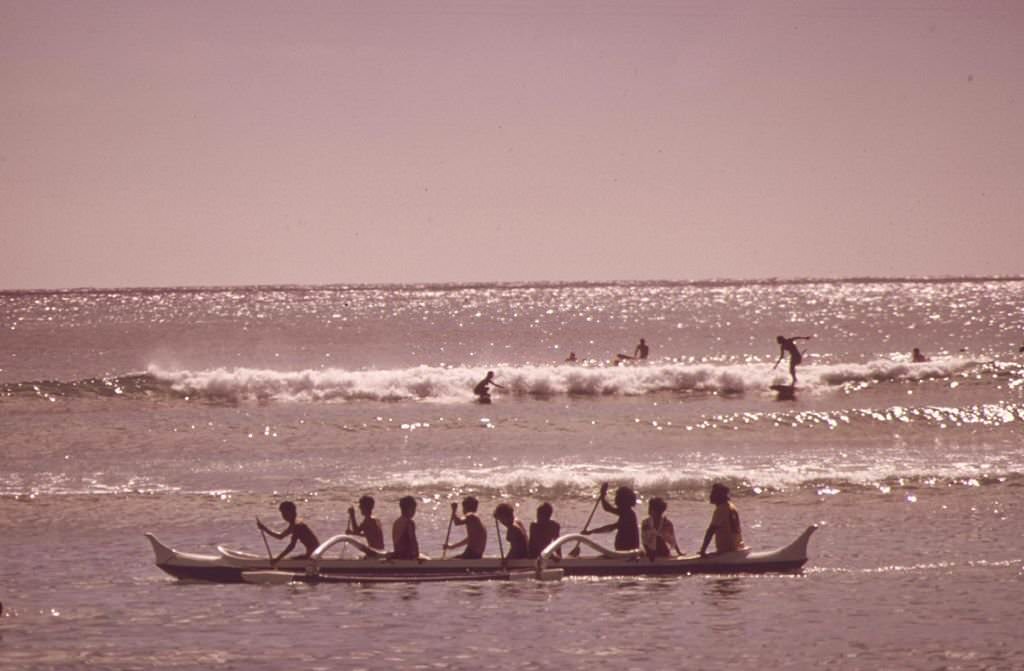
x: 601, y: 530
x: 708, y: 535
x: 291, y: 546
x: 275, y: 534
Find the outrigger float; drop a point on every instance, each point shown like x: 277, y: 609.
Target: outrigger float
x: 234, y: 566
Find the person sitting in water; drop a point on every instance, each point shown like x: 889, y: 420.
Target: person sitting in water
x: 788, y: 346
x: 626, y: 535
x: 476, y: 535
x: 518, y: 541
x: 543, y: 531
x: 641, y: 352
x: 403, y: 531
x: 370, y: 527
x: 656, y: 531
x: 481, y: 389
x: 297, y: 529
x: 917, y: 357
x: 725, y: 523
x: 571, y: 358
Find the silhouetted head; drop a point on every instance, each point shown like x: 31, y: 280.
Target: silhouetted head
x: 490, y: 374
x: 288, y: 511
x: 366, y: 504
x: 780, y: 339
x: 504, y: 513
x: 642, y: 342
x: 625, y: 497
x: 657, y: 506
x: 719, y: 493
x: 470, y: 504
x: 407, y: 505
x: 544, y: 512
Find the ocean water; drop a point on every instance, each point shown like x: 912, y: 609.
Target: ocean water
x: 189, y: 412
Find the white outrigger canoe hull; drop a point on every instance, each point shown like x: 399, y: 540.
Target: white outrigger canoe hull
x: 232, y: 566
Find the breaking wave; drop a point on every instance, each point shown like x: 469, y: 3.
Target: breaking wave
x: 428, y: 383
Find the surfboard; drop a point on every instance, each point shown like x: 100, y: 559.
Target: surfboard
x: 785, y: 392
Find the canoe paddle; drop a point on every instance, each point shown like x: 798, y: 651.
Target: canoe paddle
x: 270, y: 555
x: 448, y: 534
x: 575, y: 552
x: 501, y: 547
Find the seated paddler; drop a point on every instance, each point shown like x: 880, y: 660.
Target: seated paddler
x: 475, y: 541
x: 656, y: 531
x: 297, y: 529
x: 403, y: 531
x: 518, y: 541
x: 370, y: 528
x: 725, y: 523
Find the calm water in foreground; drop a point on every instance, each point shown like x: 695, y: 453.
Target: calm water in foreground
x: 186, y: 413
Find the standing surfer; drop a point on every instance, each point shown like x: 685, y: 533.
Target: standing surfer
x: 788, y: 346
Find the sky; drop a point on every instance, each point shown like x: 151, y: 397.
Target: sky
x: 222, y: 142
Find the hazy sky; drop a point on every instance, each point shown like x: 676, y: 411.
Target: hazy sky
x: 215, y: 142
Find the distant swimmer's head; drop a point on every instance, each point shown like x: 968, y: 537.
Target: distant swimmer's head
x: 625, y: 497
x: 719, y: 494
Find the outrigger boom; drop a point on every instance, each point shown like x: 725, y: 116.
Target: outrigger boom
x: 233, y: 566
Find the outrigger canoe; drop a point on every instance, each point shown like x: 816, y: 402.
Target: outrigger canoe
x: 234, y: 566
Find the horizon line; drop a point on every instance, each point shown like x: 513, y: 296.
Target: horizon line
x: 471, y: 284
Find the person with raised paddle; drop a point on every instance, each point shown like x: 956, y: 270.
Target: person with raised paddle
x: 403, y: 531
x: 370, y: 528
x: 297, y: 529
x: 627, y: 535
x: 725, y: 523
x: 476, y: 534
x: 543, y: 531
x: 788, y: 346
x: 518, y: 541
x: 656, y: 531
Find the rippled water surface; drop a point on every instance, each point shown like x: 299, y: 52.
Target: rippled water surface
x: 187, y: 413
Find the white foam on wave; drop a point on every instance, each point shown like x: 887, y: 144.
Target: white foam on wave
x: 456, y: 384
x: 692, y: 481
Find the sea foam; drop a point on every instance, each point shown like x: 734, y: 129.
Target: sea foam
x: 456, y: 384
